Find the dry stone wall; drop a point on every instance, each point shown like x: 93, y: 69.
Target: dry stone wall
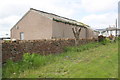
x: 15, y: 50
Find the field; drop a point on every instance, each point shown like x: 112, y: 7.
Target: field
x: 93, y: 60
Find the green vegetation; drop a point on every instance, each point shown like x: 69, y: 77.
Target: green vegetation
x: 105, y: 41
x: 7, y: 41
x: 70, y: 23
x: 93, y: 60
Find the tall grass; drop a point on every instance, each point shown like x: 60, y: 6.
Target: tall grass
x: 81, y: 48
x: 29, y: 61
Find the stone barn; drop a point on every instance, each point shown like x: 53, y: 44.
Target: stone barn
x: 36, y: 24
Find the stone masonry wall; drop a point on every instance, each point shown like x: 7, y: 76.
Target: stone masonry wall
x: 15, y: 50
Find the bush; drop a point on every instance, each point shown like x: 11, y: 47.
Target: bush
x: 101, y: 38
x: 35, y: 60
x: 105, y: 41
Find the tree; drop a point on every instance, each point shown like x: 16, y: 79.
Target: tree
x: 76, y: 32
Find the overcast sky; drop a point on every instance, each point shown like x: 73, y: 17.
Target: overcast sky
x: 96, y: 13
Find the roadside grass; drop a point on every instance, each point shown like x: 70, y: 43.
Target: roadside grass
x: 92, y: 60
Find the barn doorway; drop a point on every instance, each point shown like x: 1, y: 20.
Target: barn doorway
x: 21, y: 35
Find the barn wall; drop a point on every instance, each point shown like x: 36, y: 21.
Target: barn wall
x: 61, y: 30
x: 34, y: 26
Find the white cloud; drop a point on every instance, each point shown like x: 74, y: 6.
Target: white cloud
x: 100, y: 21
x: 99, y: 5
x: 9, y: 20
x: 20, y: 6
x: 7, y: 23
